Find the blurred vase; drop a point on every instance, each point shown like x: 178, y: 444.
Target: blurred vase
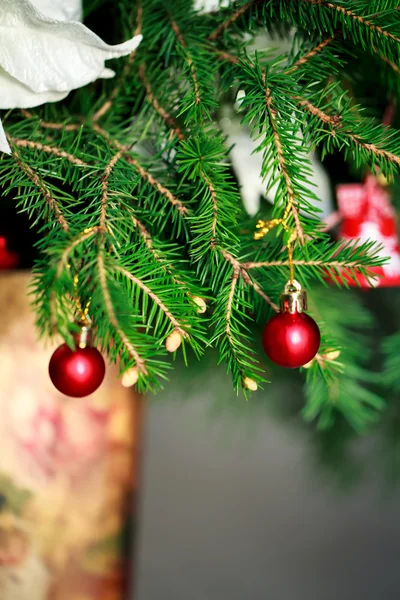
x: 68, y: 471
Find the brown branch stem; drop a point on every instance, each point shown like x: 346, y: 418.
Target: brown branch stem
x: 38, y: 182
x: 178, y: 327
x: 164, y: 191
x: 20, y: 143
x: 189, y: 59
x: 168, y: 119
x: 140, y: 363
x: 105, y: 185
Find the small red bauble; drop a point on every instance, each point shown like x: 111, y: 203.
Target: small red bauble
x: 292, y: 338
x: 77, y: 373
x: 8, y: 258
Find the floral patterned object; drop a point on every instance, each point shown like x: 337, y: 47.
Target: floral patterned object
x: 67, y: 472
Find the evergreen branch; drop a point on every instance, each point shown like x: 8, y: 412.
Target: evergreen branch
x: 355, y: 17
x: 391, y: 64
x: 291, y: 202
x: 105, y: 182
x: 241, y: 268
x: 340, y: 264
x: 52, y: 125
x: 169, y: 120
x: 214, y: 201
x: 167, y: 267
x: 140, y: 363
x: 228, y: 56
x: 232, y: 19
x: 38, y: 182
x: 146, y: 176
x: 48, y: 149
x: 62, y: 265
x: 135, y: 280
x: 228, y: 326
x: 311, y: 53
x: 126, y: 70
x: 337, y: 122
x: 189, y: 59
x: 389, y: 156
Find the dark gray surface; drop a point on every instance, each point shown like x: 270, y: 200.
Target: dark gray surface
x: 235, y: 511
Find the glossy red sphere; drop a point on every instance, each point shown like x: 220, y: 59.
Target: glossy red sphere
x: 77, y: 373
x: 291, y: 340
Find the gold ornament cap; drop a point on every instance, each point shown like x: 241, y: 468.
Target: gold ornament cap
x: 293, y: 298
x: 84, y: 337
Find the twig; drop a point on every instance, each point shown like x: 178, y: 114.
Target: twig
x: 181, y: 208
x: 105, y: 183
x: 62, y: 264
x: 140, y: 363
x: 235, y: 277
x: 167, y: 118
x: 20, y: 143
x: 226, y: 24
x: 125, y: 72
x: 352, y: 15
x: 308, y: 263
x: 156, y: 300
x: 214, y: 200
x: 336, y: 121
x: 50, y: 200
x: 291, y: 201
x: 189, y: 59
x: 51, y: 125
x: 311, y: 53
x: 237, y: 266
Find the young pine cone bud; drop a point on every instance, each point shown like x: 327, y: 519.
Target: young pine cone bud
x: 201, y: 304
x: 130, y: 377
x: 173, y: 341
x: 250, y: 384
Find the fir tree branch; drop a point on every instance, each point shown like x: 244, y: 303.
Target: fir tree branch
x: 242, y: 270
x: 164, y: 191
x: 368, y: 24
x: 291, y: 202
x: 189, y: 59
x: 105, y: 185
x: 38, y: 182
x: 140, y: 363
x: 48, y: 149
x: 127, y: 68
x: 232, y: 19
x: 340, y: 264
x: 391, y: 64
x: 168, y: 119
x: 52, y: 125
x: 235, y: 277
x: 311, y: 53
x: 174, y: 322
x: 336, y: 122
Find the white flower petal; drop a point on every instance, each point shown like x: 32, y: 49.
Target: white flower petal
x: 15, y: 94
x: 4, y: 145
x: 210, y: 5
x: 52, y: 55
x: 62, y: 10
x: 248, y: 164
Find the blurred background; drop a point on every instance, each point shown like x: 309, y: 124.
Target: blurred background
x: 237, y: 499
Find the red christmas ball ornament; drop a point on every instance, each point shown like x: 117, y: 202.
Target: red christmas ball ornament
x: 79, y: 372
x: 292, y: 338
x: 8, y: 258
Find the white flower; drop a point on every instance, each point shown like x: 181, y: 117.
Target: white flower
x: 206, y: 6
x: 63, y: 10
x: 43, y: 58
